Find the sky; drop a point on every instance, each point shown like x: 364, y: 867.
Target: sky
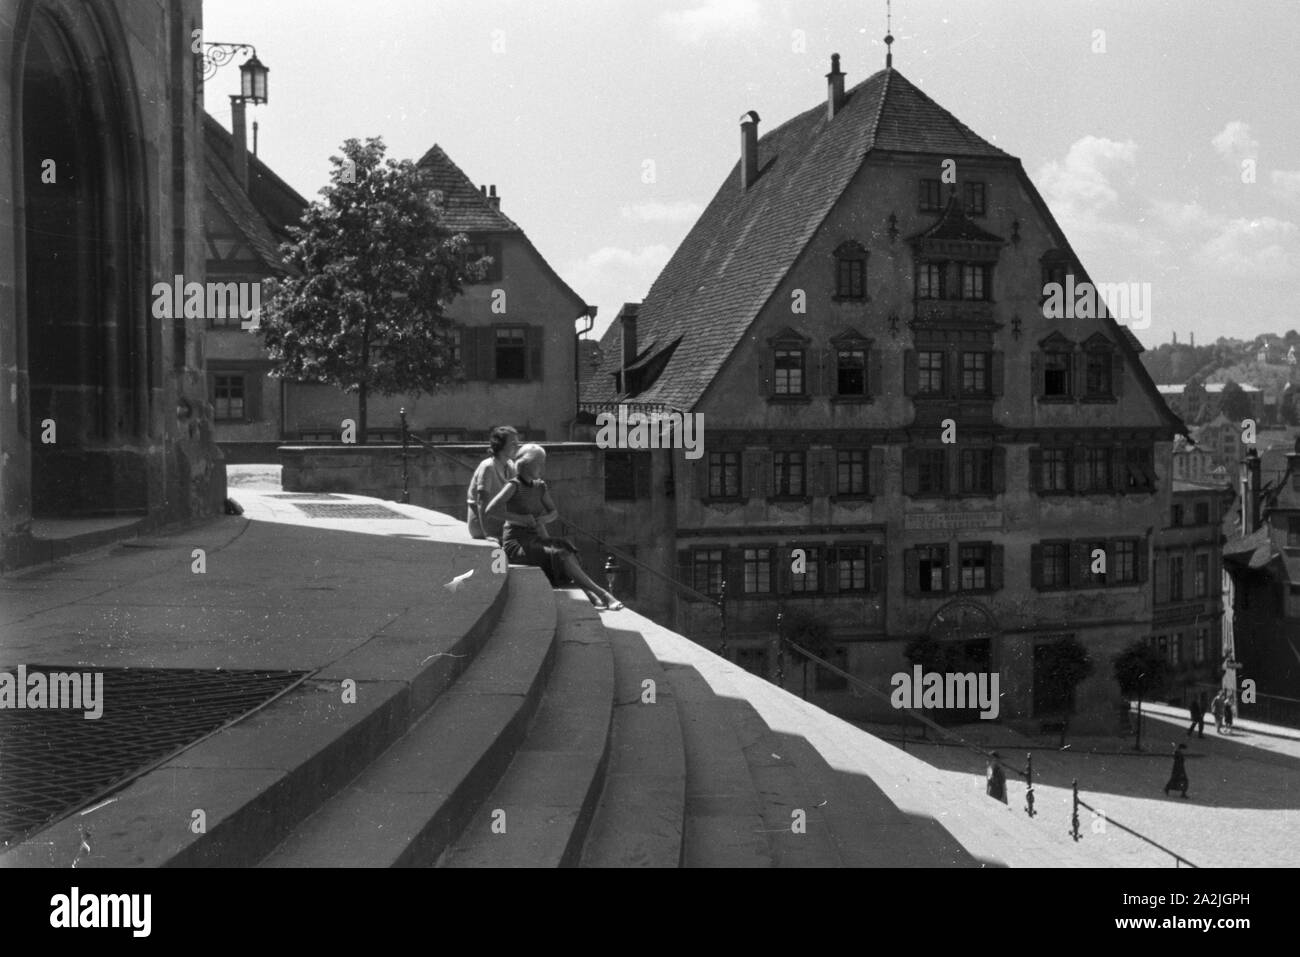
x: 1164, y: 134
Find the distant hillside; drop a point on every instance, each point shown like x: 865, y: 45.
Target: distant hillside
x: 1224, y: 359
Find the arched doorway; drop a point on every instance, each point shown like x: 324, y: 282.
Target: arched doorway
x: 82, y: 305
x: 968, y: 631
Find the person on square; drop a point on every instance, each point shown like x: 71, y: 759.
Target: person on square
x: 1197, y: 709
x: 1217, y: 707
x: 490, y: 478
x: 1178, y: 775
x: 525, y: 507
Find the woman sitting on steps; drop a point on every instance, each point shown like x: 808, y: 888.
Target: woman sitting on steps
x: 526, y: 507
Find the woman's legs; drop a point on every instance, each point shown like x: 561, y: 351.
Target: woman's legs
x: 583, y: 580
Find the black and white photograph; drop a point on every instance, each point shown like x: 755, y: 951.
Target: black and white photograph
x: 613, y: 434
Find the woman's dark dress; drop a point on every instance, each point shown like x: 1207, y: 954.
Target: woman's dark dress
x: 523, y: 545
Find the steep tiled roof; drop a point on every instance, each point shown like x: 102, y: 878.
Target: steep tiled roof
x: 466, y: 209
x: 264, y: 211
x: 747, y: 240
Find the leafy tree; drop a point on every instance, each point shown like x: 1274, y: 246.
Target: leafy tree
x: 1140, y: 670
x: 1236, y: 404
x: 930, y: 653
x: 1067, y: 664
x: 375, y: 270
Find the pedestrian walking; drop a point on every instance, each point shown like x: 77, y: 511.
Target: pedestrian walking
x: 1217, y: 707
x: 1178, y: 776
x: 1197, y: 709
x: 997, y: 780
x: 1227, y: 713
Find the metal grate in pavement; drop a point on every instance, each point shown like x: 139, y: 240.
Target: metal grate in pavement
x: 55, y: 761
x: 347, y: 510
x: 306, y: 495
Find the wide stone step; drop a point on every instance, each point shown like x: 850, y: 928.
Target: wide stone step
x: 539, y: 813
x: 251, y: 783
x: 860, y: 825
x: 795, y: 814
x: 417, y: 797
x: 639, y: 818
x: 724, y: 814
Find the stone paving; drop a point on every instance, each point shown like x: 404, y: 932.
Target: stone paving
x: 1242, y: 808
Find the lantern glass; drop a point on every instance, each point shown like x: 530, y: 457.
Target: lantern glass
x: 253, y: 77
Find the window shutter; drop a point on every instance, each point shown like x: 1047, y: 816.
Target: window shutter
x: 952, y: 373
x: 996, y: 556
x: 911, y: 475
x: 999, y: 469
x: 254, y: 382
x: 1036, y: 372
x: 1118, y: 470
x: 997, y: 373
x: 1078, y: 563
x: 911, y: 380
x: 820, y: 469
x: 875, y: 373
x: 876, y: 471
x: 827, y: 374
x: 1036, y: 469
x: 1143, y: 551
x: 700, y: 476
x: 783, y: 572
x: 911, y: 572
x: 534, y: 337
x: 485, y: 355
x: 1036, y: 566
x: 755, y: 473
x: 830, y: 570
x: 1161, y: 583
x: 876, y: 557
x: 734, y: 569
x: 1117, y: 373
x: 1079, y: 368
x: 1078, y: 468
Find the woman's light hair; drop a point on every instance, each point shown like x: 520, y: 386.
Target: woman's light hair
x: 530, y: 454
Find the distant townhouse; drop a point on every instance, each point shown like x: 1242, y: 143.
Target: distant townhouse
x: 1221, y: 437
x: 516, y: 334
x: 515, y: 329
x: 1194, y: 402
x: 858, y: 317
x: 1263, y: 565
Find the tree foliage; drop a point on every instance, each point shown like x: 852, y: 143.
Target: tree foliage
x: 1236, y: 404
x: 1140, y: 670
x: 374, y: 270
x: 808, y: 632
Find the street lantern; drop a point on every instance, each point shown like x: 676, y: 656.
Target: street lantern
x: 253, y: 75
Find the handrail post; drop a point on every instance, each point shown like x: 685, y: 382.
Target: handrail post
x: 1029, y: 777
x: 1074, y: 816
x: 780, y: 651
x: 722, y: 607
x: 406, y: 479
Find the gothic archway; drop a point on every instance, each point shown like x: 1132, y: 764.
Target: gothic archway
x: 82, y: 296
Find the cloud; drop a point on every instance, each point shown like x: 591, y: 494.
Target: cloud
x: 713, y: 18
x: 1080, y: 185
x: 1186, y: 217
x: 683, y: 211
x: 1234, y: 142
x: 612, y: 275
x: 1264, y: 248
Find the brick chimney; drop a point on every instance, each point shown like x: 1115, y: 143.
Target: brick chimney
x: 627, y: 324
x: 1250, y: 482
x: 240, y: 134
x: 493, y: 199
x: 834, y: 88
x: 748, y: 149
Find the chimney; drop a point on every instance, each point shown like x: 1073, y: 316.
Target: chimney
x: 627, y: 322
x: 834, y: 88
x: 493, y: 199
x: 241, y: 140
x: 748, y: 149
x: 1250, y: 480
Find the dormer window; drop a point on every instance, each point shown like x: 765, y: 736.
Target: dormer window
x: 1054, y: 368
x: 1055, y: 268
x: 787, y: 368
x: 974, y: 194
x: 1102, y: 369
x: 850, y: 271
